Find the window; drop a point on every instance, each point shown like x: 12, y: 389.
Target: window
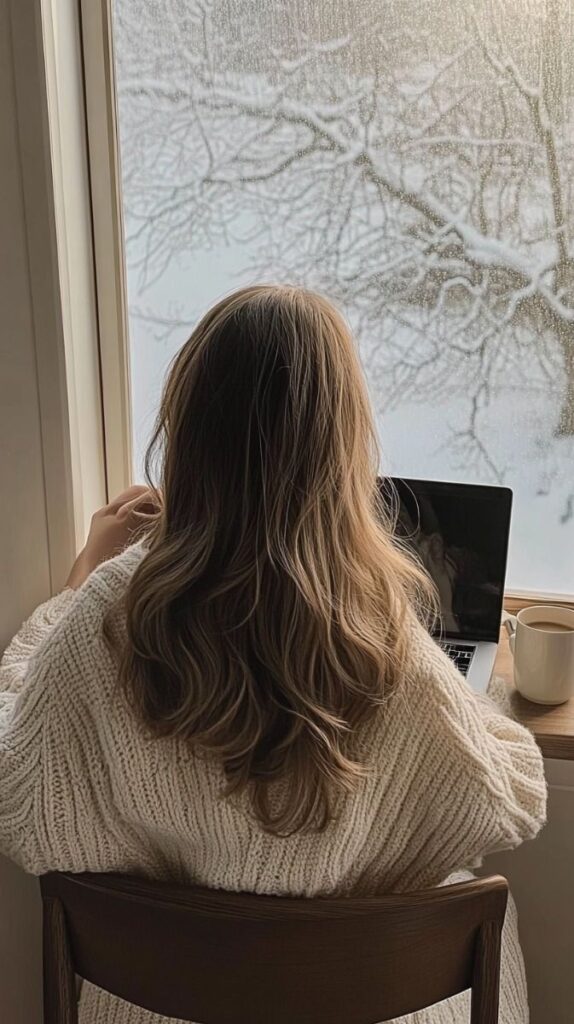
x: 412, y: 159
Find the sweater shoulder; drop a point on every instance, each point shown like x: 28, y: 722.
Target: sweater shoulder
x: 432, y: 676
x: 435, y: 705
x: 103, y: 591
x: 109, y: 582
x: 77, y: 644
x: 430, y: 673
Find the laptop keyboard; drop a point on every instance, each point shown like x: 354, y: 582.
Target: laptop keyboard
x: 461, y: 654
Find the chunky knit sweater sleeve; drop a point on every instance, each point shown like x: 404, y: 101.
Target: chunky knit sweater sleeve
x: 36, y: 629
x: 54, y: 783
x: 476, y: 776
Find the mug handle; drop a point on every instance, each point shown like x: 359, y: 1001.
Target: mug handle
x: 509, y: 622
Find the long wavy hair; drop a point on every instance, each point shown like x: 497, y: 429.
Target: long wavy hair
x: 267, y: 622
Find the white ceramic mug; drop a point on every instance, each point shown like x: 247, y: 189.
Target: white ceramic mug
x: 543, y: 659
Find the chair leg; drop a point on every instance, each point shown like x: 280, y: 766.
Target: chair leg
x: 486, y: 977
x: 60, y: 1003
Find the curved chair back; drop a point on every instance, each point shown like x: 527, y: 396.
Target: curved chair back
x: 233, y: 958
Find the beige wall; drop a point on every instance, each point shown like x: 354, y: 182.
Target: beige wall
x: 24, y: 562
x: 24, y: 557
x: 541, y: 876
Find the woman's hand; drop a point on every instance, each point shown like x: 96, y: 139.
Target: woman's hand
x: 112, y: 529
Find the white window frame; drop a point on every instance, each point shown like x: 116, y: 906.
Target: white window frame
x: 48, y: 81
x: 66, y: 114
x: 108, y: 247
x: 74, y: 241
x: 94, y: 28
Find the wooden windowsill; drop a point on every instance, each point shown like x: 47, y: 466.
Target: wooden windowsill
x: 553, y: 726
x: 514, y: 604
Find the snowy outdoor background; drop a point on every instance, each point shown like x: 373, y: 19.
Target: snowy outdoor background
x: 412, y: 159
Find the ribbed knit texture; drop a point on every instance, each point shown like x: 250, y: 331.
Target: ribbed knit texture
x: 83, y: 787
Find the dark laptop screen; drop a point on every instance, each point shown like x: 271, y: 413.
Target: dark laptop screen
x: 460, y: 533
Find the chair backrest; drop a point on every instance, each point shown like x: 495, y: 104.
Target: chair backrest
x: 234, y: 958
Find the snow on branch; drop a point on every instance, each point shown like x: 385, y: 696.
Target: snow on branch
x: 420, y: 180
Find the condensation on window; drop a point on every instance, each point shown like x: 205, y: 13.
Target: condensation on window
x: 413, y: 160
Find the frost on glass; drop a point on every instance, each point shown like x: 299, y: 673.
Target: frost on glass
x: 414, y: 160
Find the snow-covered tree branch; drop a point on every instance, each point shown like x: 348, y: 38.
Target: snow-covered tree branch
x: 424, y: 181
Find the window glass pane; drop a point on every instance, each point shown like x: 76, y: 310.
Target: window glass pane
x: 413, y: 159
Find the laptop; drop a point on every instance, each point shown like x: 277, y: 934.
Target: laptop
x: 460, y: 534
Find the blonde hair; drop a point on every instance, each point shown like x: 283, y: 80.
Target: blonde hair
x: 266, y: 623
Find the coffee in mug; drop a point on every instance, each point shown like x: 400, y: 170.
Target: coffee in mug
x: 551, y: 627
x: 543, y: 647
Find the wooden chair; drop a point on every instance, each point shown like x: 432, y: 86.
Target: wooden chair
x: 232, y: 958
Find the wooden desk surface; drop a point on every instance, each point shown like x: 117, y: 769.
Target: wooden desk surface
x: 553, y: 726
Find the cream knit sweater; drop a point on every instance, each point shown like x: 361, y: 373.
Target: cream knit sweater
x: 83, y: 788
